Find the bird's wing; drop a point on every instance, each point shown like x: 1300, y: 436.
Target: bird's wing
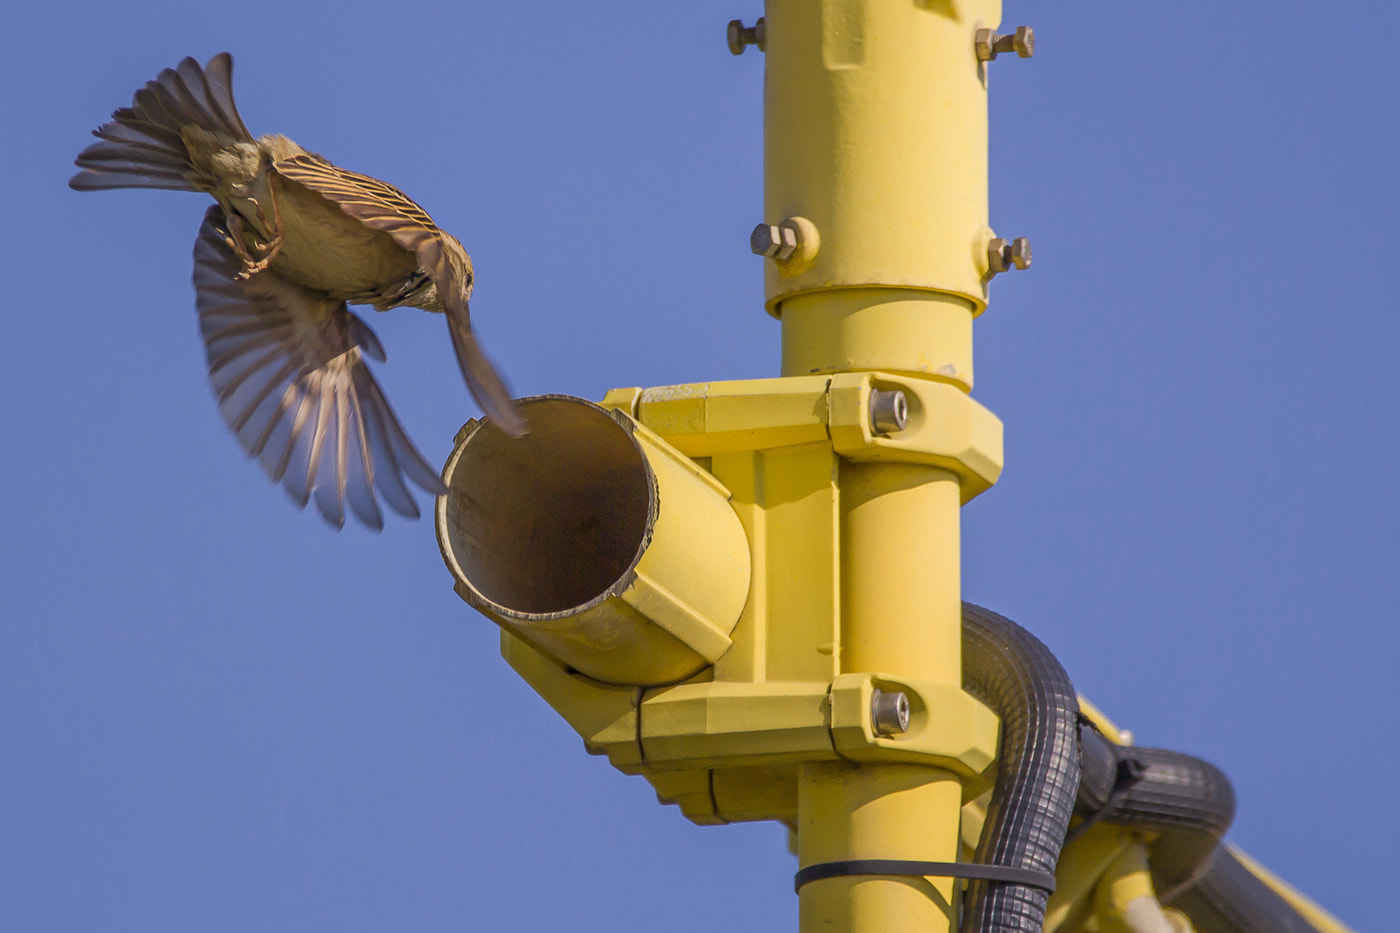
x: 285, y: 363
x: 385, y: 208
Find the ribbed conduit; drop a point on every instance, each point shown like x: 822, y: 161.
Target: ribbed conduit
x: 1014, y: 675
x: 1051, y: 763
x: 1187, y: 801
x: 1228, y: 898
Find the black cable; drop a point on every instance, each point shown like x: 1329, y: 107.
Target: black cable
x: 1019, y: 679
x: 1188, y: 802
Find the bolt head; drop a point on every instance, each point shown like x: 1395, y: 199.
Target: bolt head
x: 735, y: 34
x: 998, y: 256
x: 779, y: 242
x: 766, y: 240
x: 982, y: 43
x: 1021, y: 252
x: 1025, y: 41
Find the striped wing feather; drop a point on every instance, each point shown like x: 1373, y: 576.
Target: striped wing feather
x: 286, y: 365
x: 369, y: 200
x: 383, y: 207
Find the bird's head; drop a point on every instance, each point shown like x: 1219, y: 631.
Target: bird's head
x: 461, y: 263
x: 445, y: 261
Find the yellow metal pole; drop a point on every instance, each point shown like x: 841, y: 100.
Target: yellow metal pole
x: 876, y: 135
x: 876, y: 132
x: 716, y: 583
x: 900, y: 615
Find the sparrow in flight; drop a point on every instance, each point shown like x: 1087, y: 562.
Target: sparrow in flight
x: 291, y: 241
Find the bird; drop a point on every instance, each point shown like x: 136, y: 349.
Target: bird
x: 291, y: 241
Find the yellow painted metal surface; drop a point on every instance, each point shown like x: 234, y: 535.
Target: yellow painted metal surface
x: 876, y: 130
x: 723, y: 724
x: 742, y: 739
x: 947, y: 727
x: 604, y: 715
x: 1126, y: 902
x: 1107, y: 727
x: 901, y: 613
x: 756, y: 793
x: 902, y: 603
x: 718, y: 724
x: 789, y: 503
x: 1082, y: 864
x: 899, y: 330
x: 847, y: 811
x: 752, y: 559
x: 693, y: 577
x: 595, y: 540
x: 876, y: 137
x: 946, y: 428
x: 737, y: 417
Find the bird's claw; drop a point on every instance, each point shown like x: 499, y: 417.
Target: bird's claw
x: 241, y: 237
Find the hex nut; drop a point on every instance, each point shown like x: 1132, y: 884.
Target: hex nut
x: 788, y: 243
x: 889, y: 412
x: 998, y: 256
x: 735, y: 35
x: 1021, y: 252
x: 982, y: 43
x: 765, y: 240
x: 778, y: 242
x: 889, y: 712
x: 1023, y: 42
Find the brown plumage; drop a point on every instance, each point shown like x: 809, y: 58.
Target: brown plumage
x: 290, y: 242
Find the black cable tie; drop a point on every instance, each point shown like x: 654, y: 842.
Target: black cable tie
x: 1128, y: 772
x: 905, y: 868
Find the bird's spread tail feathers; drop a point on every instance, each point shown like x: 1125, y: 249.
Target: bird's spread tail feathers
x: 483, y: 380
x: 143, y: 147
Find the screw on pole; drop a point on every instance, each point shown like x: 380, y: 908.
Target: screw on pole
x: 776, y: 241
x: 889, y: 411
x: 889, y: 712
x: 741, y: 36
x: 989, y: 45
x: 1002, y: 255
x: 792, y: 243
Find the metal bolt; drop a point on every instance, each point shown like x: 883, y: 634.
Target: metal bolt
x: 889, y: 712
x: 741, y: 36
x: 776, y: 242
x: 1003, y: 254
x: 889, y: 411
x: 989, y: 45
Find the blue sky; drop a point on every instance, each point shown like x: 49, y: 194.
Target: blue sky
x: 217, y: 714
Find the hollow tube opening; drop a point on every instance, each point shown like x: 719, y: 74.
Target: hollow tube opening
x: 549, y: 523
